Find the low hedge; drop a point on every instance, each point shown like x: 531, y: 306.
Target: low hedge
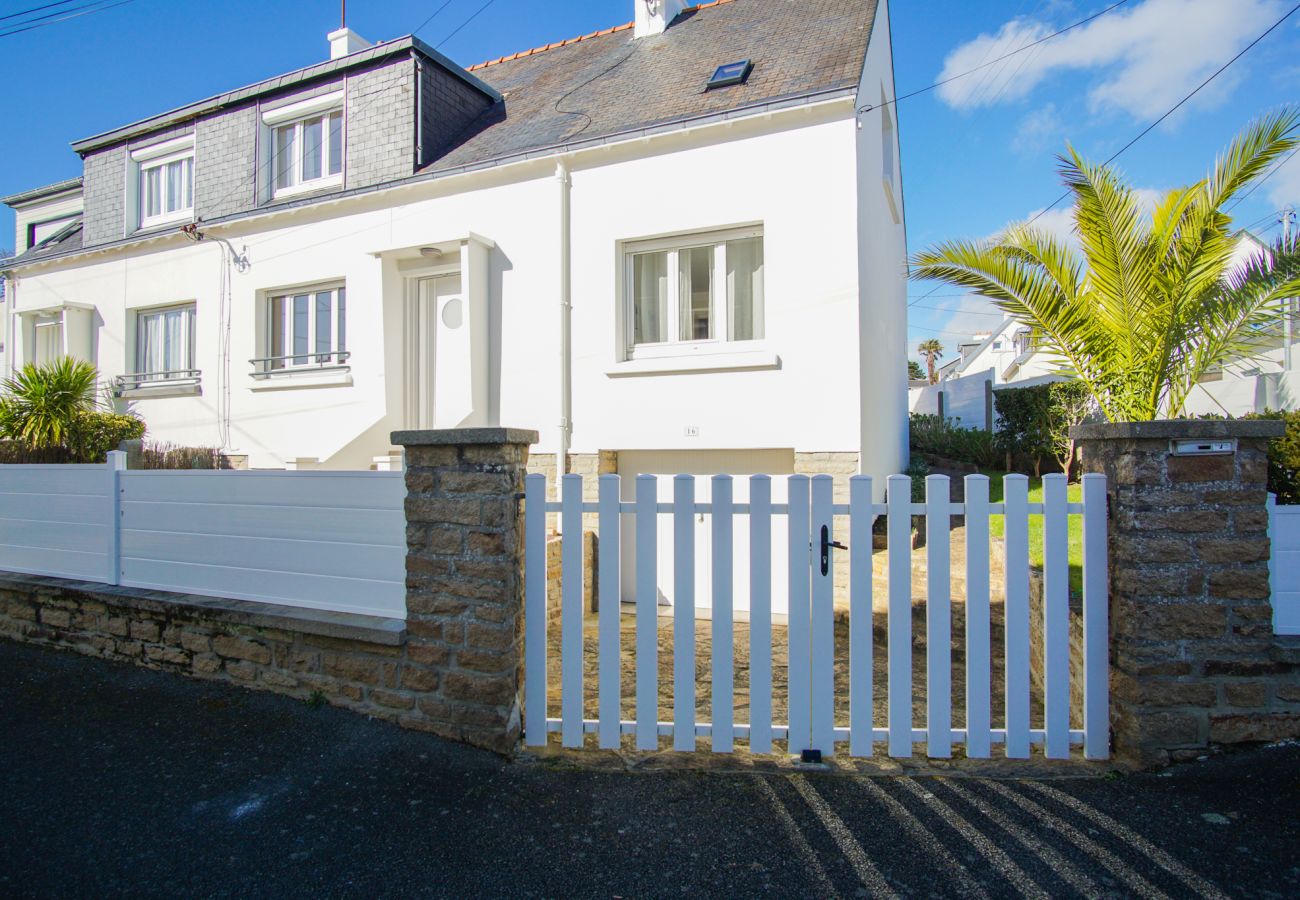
x: 940, y: 437
x: 1283, y: 456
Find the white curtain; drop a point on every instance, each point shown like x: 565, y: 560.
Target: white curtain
x: 745, y: 288
x: 650, y: 298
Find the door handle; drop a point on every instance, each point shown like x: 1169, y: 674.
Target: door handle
x: 827, y: 544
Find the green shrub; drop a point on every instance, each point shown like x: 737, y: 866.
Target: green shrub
x: 1034, y: 422
x: 940, y: 437
x: 169, y: 456
x: 42, y: 402
x: 1283, y: 456
x: 93, y: 434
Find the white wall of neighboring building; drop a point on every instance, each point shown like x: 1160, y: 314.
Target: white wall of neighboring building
x: 726, y: 175
x: 881, y: 274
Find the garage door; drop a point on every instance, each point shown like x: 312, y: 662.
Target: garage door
x: 703, y: 464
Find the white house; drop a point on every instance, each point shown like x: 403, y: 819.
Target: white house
x: 675, y: 245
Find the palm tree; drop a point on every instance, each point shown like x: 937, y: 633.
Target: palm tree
x: 42, y: 402
x: 931, y: 349
x: 1154, y: 302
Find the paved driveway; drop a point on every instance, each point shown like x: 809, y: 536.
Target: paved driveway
x: 120, y: 781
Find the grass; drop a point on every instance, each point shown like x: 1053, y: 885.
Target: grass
x: 1074, y: 494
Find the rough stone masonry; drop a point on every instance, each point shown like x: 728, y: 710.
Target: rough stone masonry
x: 464, y: 578
x: 1194, y: 660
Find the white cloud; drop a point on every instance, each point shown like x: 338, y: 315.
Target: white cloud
x: 1143, y: 58
x: 1039, y: 130
x: 1284, y: 184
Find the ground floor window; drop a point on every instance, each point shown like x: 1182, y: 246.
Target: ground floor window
x: 694, y: 289
x: 306, y: 328
x: 164, y: 348
x: 49, y: 339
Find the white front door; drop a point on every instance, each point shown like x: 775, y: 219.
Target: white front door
x: 429, y: 299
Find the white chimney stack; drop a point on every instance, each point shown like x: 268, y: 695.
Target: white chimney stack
x: 654, y: 16
x: 345, y: 41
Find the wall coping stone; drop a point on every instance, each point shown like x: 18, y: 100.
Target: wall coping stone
x: 442, y: 437
x: 1179, y: 428
x: 347, y: 626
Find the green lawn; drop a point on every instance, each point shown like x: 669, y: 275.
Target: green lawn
x: 1074, y: 494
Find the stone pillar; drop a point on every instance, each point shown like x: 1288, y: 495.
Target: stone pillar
x: 1194, y: 660
x: 464, y: 578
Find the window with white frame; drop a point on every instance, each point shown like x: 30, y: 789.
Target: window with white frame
x: 164, y: 182
x: 693, y: 290
x: 305, y: 329
x: 48, y: 331
x: 164, y: 346
x: 306, y: 152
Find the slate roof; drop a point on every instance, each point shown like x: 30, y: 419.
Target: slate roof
x: 609, y: 83
x: 65, y: 240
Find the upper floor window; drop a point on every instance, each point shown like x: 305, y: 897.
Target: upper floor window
x: 38, y: 232
x: 694, y: 289
x: 165, y: 182
x: 306, y: 145
x: 305, y: 328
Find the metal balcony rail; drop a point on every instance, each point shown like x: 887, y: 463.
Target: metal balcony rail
x: 266, y: 366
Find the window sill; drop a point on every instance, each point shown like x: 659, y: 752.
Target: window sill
x: 153, y: 224
x: 333, y: 182
x: 160, y: 391
x: 292, y: 379
x: 704, y: 362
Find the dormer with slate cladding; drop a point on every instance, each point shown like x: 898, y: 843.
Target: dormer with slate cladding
x: 366, y: 118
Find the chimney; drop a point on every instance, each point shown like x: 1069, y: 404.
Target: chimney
x: 654, y: 16
x: 345, y: 41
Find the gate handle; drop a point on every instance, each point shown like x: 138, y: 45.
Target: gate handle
x: 827, y: 544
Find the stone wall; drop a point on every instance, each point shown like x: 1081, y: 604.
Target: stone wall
x: 555, y: 584
x: 1193, y: 655
x: 350, y: 661
x: 464, y: 578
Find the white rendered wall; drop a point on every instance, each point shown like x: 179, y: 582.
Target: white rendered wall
x: 791, y: 173
x: 882, y: 273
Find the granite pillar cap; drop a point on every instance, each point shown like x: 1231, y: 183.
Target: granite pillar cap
x: 1170, y: 429
x: 446, y: 437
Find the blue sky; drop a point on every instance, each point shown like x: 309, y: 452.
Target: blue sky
x: 977, y: 153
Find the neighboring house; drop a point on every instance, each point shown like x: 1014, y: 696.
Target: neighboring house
x: 1010, y: 357
x: 671, y: 246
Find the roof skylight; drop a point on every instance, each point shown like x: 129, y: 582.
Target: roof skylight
x: 731, y: 73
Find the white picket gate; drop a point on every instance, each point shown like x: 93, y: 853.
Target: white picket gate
x: 810, y: 513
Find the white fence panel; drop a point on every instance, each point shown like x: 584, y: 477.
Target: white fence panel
x: 815, y: 652
x: 322, y: 540
x: 58, y: 520
x: 1284, y: 566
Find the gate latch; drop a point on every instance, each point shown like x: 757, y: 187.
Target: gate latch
x: 827, y: 544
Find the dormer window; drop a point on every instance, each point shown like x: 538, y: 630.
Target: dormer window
x: 305, y: 142
x: 164, y: 176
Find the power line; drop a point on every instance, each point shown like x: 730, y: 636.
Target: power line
x: 1145, y: 131
x: 434, y: 15
x: 63, y: 15
x: 19, y: 15
x: 1267, y: 175
x: 466, y: 22
x: 993, y: 62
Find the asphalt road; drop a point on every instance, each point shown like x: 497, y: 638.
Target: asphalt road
x: 120, y: 781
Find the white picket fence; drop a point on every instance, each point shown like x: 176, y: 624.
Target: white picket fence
x: 1284, y: 566
x: 322, y: 540
x: 812, y: 723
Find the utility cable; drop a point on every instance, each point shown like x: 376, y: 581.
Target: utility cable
x: 63, y: 15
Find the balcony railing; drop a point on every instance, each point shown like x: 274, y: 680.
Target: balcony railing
x: 176, y: 378
x: 267, y: 366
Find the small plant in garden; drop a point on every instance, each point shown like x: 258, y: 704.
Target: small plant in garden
x: 170, y: 456
x: 48, y: 413
x: 1284, y: 457
x: 941, y: 437
x: 1034, y: 422
x: 1155, y: 300
x: 41, y: 403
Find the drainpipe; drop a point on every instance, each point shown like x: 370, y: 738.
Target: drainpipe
x: 419, y: 109
x: 566, y: 320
